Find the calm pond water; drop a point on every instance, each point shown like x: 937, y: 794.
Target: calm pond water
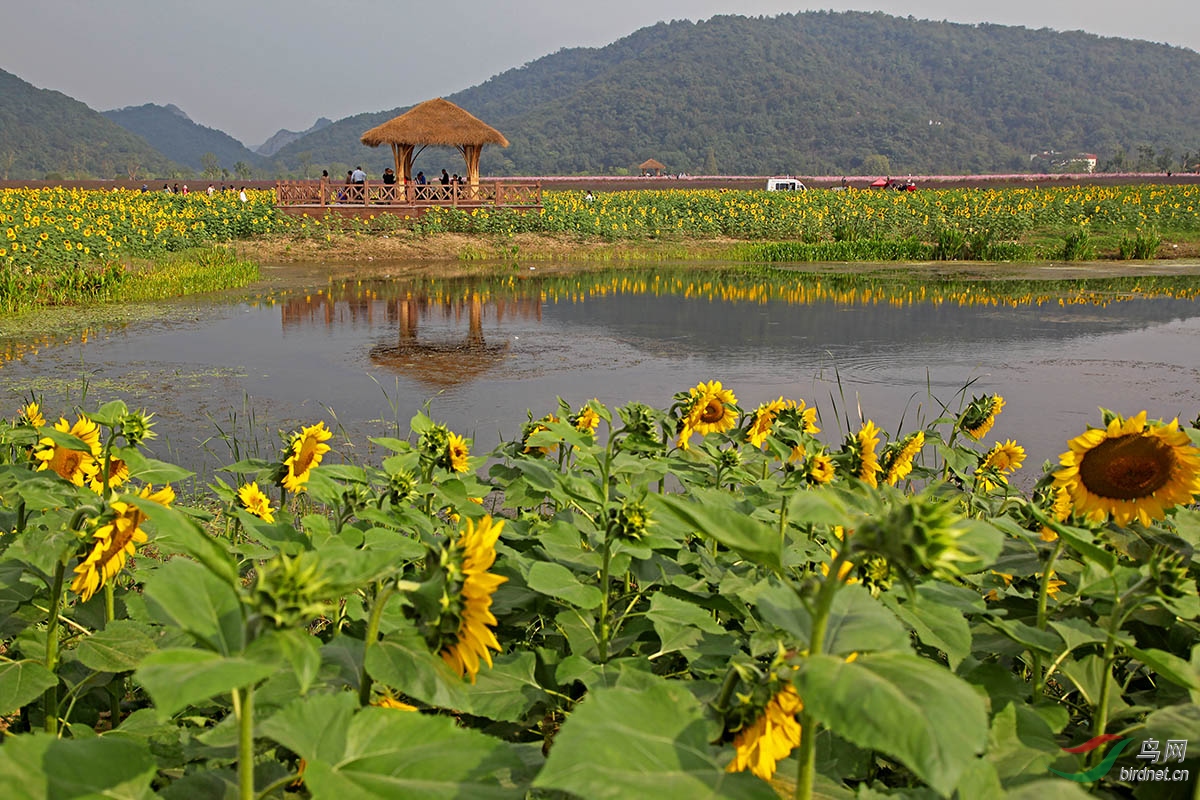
x: 365, y: 354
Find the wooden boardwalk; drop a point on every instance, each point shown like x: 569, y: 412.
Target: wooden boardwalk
x: 413, y: 200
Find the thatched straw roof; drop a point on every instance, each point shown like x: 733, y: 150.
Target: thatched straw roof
x: 649, y: 163
x: 436, y: 122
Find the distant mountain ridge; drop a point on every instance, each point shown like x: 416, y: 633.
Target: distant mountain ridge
x: 813, y: 93
x: 173, y: 133
x: 44, y: 132
x: 284, y: 137
x: 821, y: 93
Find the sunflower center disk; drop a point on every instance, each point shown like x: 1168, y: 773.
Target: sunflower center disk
x: 713, y: 411
x: 1127, y: 468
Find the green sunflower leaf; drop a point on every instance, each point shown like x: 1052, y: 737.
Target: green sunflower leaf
x: 184, y: 594
x: 713, y: 516
x: 555, y: 580
x: 389, y: 753
x: 907, y: 707
x: 120, y: 647
x: 651, y: 741
x: 179, y: 677
x: 22, y: 682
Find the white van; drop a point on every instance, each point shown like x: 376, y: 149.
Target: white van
x: 785, y: 184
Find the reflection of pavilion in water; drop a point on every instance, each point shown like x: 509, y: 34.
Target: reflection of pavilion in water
x: 441, y: 360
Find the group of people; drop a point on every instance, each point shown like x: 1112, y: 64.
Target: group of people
x: 354, y: 188
x: 210, y: 191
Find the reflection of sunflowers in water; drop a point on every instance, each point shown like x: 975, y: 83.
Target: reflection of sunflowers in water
x: 712, y: 409
x: 1130, y: 470
x: 476, y: 547
x: 306, y: 451
x: 980, y: 415
x: 114, y: 541
x: 76, y: 466
x: 771, y: 737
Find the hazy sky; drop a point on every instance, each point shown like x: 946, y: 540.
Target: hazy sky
x: 252, y: 67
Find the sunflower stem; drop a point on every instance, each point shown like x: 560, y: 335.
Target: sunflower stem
x: 1043, y: 593
x: 117, y: 690
x: 783, y: 518
x: 604, y: 626
x: 807, y: 760
x: 243, y: 707
x: 51, y: 696
x: 382, y: 595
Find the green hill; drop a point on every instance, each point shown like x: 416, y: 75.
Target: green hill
x: 822, y: 93
x: 175, y: 135
x: 43, y: 132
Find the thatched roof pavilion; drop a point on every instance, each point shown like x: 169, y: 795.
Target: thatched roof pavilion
x: 434, y: 122
x: 651, y: 164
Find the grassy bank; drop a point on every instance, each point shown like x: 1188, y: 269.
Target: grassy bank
x: 87, y: 284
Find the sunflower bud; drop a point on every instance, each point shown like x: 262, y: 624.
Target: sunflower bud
x: 917, y: 534
x: 402, y: 484
x: 135, y: 427
x: 291, y: 591
x: 629, y: 522
x: 639, y: 429
x: 729, y: 459
x: 433, y: 441
x: 1169, y: 571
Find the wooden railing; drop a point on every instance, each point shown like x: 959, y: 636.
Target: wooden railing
x: 377, y: 193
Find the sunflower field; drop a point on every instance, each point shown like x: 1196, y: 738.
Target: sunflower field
x: 60, y: 246
x: 700, y: 600
x: 981, y: 216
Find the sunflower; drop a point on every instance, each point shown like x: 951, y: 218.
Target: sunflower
x: 898, y: 458
x: 387, y: 701
x: 536, y: 427
x: 1003, y: 459
x: 1130, y: 470
x: 772, y: 736
x: 684, y: 439
x: 253, y: 500
x: 764, y: 419
x: 114, y: 541
x: 307, y: 449
x: 788, y: 413
x: 31, y: 415
x: 477, y: 546
x: 76, y: 466
x: 819, y: 468
x: 1061, y: 509
x: 118, y: 473
x: 863, y: 447
x: 457, y: 453
x: 980, y: 415
x: 712, y: 410
x: 586, y: 420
